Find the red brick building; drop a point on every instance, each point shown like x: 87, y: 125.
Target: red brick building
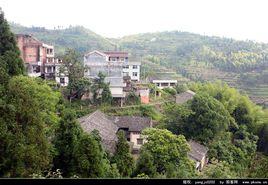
x: 39, y: 59
x: 34, y: 53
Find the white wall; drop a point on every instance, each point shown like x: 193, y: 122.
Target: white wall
x: 116, y: 90
x: 130, y: 71
x: 66, y: 80
x: 133, y: 138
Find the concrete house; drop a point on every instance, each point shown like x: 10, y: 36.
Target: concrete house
x: 198, y: 153
x: 164, y: 83
x: 39, y: 59
x: 116, y: 67
x: 133, y: 126
x: 110, y: 66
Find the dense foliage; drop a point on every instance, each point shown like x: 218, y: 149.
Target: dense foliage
x: 168, y: 153
x: 228, y: 123
x: 122, y: 156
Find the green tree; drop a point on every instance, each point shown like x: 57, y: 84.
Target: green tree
x: 263, y: 141
x: 89, y: 157
x: 145, y: 165
x: 167, y: 148
x: 181, y: 88
x: 72, y: 62
x: 208, y: 119
x: 176, y: 118
x: 218, y: 169
x: 67, y: 137
x: 122, y: 156
x: 27, y: 116
x: 259, y: 166
x: 101, y: 91
x: 106, y: 95
x: 11, y: 63
x: 80, y: 87
x: 243, y: 113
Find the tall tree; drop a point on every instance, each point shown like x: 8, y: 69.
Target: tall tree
x: 106, y: 95
x: 263, y: 141
x: 218, y: 169
x: 67, y: 137
x: 169, y: 149
x: 74, y: 66
x: 11, y: 63
x: 101, y: 90
x: 122, y: 156
x: 27, y: 115
x: 90, y: 158
x: 208, y: 119
x: 145, y: 164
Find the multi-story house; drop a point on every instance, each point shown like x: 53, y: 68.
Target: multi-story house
x: 130, y: 68
x: 111, y: 66
x: 115, y: 65
x: 39, y: 59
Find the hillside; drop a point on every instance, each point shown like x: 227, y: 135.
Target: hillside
x: 242, y: 64
x: 77, y: 37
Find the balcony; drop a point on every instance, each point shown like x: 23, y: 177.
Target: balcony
x: 50, y: 75
x: 33, y: 74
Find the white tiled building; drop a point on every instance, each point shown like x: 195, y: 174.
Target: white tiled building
x: 111, y: 65
x: 114, y: 65
x: 132, y: 69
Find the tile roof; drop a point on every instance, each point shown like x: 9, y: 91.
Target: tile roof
x: 116, y: 53
x: 197, y: 151
x: 184, y: 97
x: 107, y: 129
x: 109, y: 125
x: 133, y: 123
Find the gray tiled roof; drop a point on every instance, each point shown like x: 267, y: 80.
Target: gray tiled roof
x: 197, y: 151
x: 133, y: 123
x: 184, y: 97
x: 107, y: 129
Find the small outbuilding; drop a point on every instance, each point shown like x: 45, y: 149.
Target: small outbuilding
x: 184, y: 97
x: 198, y: 153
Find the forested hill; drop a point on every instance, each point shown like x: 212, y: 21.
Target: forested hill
x: 177, y: 47
x: 172, y: 48
x: 77, y: 37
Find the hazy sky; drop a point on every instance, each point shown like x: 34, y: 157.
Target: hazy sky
x: 239, y: 19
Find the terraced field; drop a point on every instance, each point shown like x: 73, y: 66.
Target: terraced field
x: 258, y: 92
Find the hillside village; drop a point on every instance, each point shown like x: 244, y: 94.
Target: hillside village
x: 99, y: 114
x: 122, y: 74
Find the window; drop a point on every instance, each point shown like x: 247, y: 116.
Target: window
x: 139, y: 141
x: 126, y: 67
x: 134, y: 74
x: 135, y: 67
x: 125, y: 74
x: 62, y: 80
x: 49, y: 69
